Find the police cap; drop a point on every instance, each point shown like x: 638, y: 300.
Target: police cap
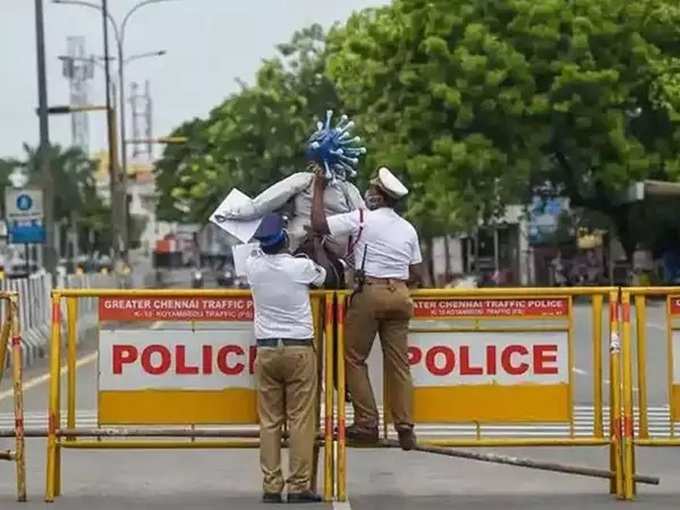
x: 388, y: 183
x: 271, y: 230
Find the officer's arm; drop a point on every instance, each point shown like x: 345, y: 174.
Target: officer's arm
x: 319, y: 221
x: 310, y: 273
x: 415, y: 268
x: 415, y: 275
x: 271, y: 199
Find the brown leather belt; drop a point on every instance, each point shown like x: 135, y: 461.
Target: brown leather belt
x: 384, y: 281
x: 287, y: 342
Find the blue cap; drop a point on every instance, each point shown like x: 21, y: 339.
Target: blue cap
x: 271, y: 230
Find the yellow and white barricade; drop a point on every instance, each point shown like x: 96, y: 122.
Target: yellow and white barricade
x: 502, y: 356
x: 635, y: 341
x: 172, y: 364
x: 10, y: 337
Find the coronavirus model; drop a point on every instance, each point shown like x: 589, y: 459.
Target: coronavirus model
x: 332, y: 153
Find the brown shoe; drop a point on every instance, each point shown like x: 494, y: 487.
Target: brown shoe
x: 361, y: 434
x: 407, y: 438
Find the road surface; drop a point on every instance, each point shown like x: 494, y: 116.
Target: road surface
x: 378, y: 479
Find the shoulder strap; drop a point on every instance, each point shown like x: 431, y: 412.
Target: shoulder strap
x: 351, y: 243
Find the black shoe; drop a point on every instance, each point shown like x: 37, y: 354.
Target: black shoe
x: 304, y: 497
x: 272, y: 497
x: 359, y: 434
x: 407, y: 438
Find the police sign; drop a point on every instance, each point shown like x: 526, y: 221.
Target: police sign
x: 24, y: 215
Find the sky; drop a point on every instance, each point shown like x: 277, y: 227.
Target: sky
x: 209, y: 44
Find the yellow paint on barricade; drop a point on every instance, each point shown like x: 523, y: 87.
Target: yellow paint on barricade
x: 517, y: 370
x: 10, y: 336
x: 194, y: 367
x: 637, y: 369
x: 495, y: 356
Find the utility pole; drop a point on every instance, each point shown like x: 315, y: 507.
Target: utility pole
x: 49, y: 256
x: 117, y: 206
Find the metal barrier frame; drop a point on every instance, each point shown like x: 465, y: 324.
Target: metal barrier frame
x: 614, y: 441
x: 76, y: 438
x: 11, y: 332
x: 639, y: 296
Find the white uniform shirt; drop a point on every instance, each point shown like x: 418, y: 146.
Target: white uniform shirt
x: 391, y: 241
x: 280, y: 286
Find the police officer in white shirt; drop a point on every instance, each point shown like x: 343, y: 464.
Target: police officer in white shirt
x: 285, y: 367
x: 387, y: 252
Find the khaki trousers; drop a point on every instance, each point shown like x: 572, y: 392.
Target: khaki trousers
x: 385, y: 309
x: 287, y: 381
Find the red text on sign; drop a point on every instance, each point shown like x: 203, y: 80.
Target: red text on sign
x: 157, y: 359
x: 514, y: 359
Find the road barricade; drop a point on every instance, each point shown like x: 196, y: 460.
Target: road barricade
x: 176, y: 371
x: 636, y: 368
x: 10, y: 337
x: 488, y: 357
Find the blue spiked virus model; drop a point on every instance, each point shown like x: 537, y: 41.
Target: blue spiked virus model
x: 334, y: 149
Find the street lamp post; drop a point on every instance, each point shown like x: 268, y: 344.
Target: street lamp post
x: 119, y: 34
x: 50, y: 261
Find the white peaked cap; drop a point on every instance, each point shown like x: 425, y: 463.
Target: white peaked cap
x: 390, y: 184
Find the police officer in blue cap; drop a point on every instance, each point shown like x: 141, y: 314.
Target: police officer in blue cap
x: 285, y: 367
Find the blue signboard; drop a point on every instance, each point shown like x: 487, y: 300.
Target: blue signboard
x: 24, y: 215
x: 26, y: 233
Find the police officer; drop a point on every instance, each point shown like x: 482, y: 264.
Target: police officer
x: 387, y: 254
x: 285, y: 367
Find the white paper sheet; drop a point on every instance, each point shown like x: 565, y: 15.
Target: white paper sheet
x: 241, y: 253
x: 242, y: 230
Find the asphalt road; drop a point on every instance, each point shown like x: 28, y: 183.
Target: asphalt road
x: 378, y: 479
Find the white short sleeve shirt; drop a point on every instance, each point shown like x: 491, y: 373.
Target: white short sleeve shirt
x: 390, y: 242
x: 280, y: 286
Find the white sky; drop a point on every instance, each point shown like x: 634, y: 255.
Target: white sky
x: 209, y: 44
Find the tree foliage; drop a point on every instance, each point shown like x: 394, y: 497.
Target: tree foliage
x: 478, y: 104
x: 251, y: 140
x: 474, y: 99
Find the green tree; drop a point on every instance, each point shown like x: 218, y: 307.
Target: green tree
x: 481, y: 102
x: 7, y: 166
x: 251, y: 140
x: 75, y: 196
x: 73, y: 175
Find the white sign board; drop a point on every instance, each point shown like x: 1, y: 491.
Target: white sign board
x: 676, y: 357
x: 235, y: 201
x: 475, y: 358
x: 23, y: 205
x: 174, y: 359
x: 241, y: 252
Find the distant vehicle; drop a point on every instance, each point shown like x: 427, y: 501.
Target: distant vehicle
x: 241, y: 282
x: 18, y: 269
x: 104, y: 262
x: 197, y: 279
x: 225, y: 276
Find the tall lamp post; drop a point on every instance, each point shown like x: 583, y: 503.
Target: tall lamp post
x: 120, y: 244
x: 50, y: 260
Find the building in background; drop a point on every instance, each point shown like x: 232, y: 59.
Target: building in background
x: 496, y: 254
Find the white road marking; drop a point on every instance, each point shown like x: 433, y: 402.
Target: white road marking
x: 579, y: 371
x: 656, y: 326
x: 342, y: 505
x: 36, y: 381
x: 156, y: 325
x: 658, y: 416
